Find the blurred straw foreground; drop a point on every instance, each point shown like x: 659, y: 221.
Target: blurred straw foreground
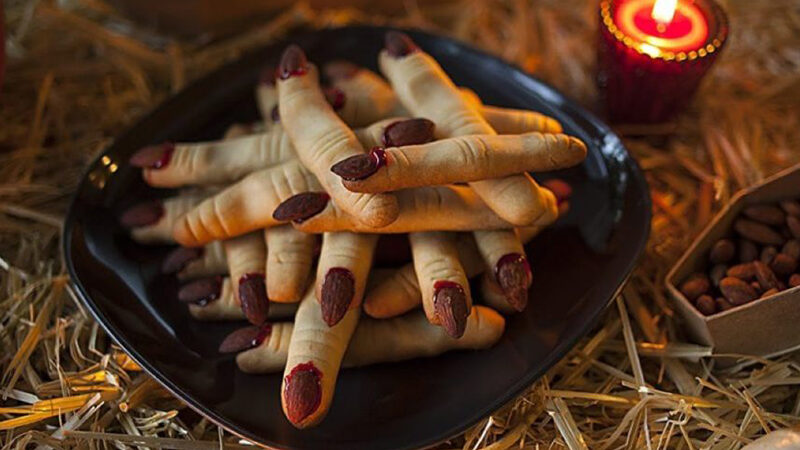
x: 78, y: 74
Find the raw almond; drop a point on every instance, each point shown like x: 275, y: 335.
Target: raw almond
x: 794, y: 226
x: 744, y: 271
x: 747, y: 251
x: 769, y: 293
x: 737, y: 291
x: 783, y: 264
x: 758, y: 232
x: 722, y: 251
x: 767, y: 214
x: 791, y: 207
x: 768, y: 253
x: 696, y: 285
x: 706, y: 305
x: 792, y: 248
x: 717, y: 273
x: 723, y: 304
x: 766, y: 277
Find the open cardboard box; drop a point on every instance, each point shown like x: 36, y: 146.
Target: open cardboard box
x: 765, y: 327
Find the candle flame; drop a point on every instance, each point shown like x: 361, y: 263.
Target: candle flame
x: 664, y: 11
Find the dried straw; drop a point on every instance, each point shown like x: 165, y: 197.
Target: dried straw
x: 73, y: 82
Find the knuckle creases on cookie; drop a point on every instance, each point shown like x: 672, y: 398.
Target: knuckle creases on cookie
x: 320, y: 138
x: 374, y: 341
x: 220, y: 162
x: 442, y: 281
x: 236, y: 210
x: 460, y: 159
x: 450, y: 208
x: 247, y: 255
x: 290, y: 256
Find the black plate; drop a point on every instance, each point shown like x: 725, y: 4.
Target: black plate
x: 578, y: 266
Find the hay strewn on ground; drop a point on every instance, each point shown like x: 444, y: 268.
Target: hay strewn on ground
x: 72, y: 84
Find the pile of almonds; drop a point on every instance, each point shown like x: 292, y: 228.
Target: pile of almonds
x: 759, y: 261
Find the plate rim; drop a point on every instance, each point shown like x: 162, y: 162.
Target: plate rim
x: 631, y: 167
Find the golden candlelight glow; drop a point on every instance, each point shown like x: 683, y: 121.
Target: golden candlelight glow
x: 664, y: 11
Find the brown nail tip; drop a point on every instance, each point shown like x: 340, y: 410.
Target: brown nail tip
x: 340, y: 70
x: 513, y: 274
x: 142, y: 215
x: 293, y: 63
x: 253, y: 295
x: 408, y: 132
x: 450, y: 305
x: 335, y: 97
x: 337, y: 293
x: 399, y: 44
x: 275, y: 114
x: 302, y: 392
x: 301, y: 207
x: 245, y: 338
x: 267, y: 76
x: 201, y: 292
x: 179, y: 258
x: 358, y: 167
x: 153, y: 157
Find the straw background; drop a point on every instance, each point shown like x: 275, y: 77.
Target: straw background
x: 78, y: 74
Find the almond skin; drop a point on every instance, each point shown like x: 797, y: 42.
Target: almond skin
x: 792, y: 249
x: 737, y: 291
x: 696, y: 285
x: 766, y: 277
x: 722, y: 251
x: 783, y: 264
x: 747, y: 251
x: 758, y: 232
x: 706, y: 305
x: 744, y: 271
x: 766, y: 214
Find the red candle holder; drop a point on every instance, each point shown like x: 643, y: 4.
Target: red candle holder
x: 648, y: 70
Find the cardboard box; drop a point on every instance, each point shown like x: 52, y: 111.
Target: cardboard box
x: 765, y: 327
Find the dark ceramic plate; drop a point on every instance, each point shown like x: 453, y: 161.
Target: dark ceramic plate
x: 578, y: 265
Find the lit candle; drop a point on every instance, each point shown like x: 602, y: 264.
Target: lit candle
x: 653, y: 54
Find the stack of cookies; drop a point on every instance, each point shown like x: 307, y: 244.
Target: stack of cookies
x: 282, y: 219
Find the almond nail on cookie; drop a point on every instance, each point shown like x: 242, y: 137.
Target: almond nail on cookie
x: 442, y: 281
x: 320, y: 138
x: 344, y: 262
x: 264, y: 349
x: 460, y: 159
x: 151, y: 222
x: 196, y: 262
x: 214, y: 299
x: 247, y: 256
